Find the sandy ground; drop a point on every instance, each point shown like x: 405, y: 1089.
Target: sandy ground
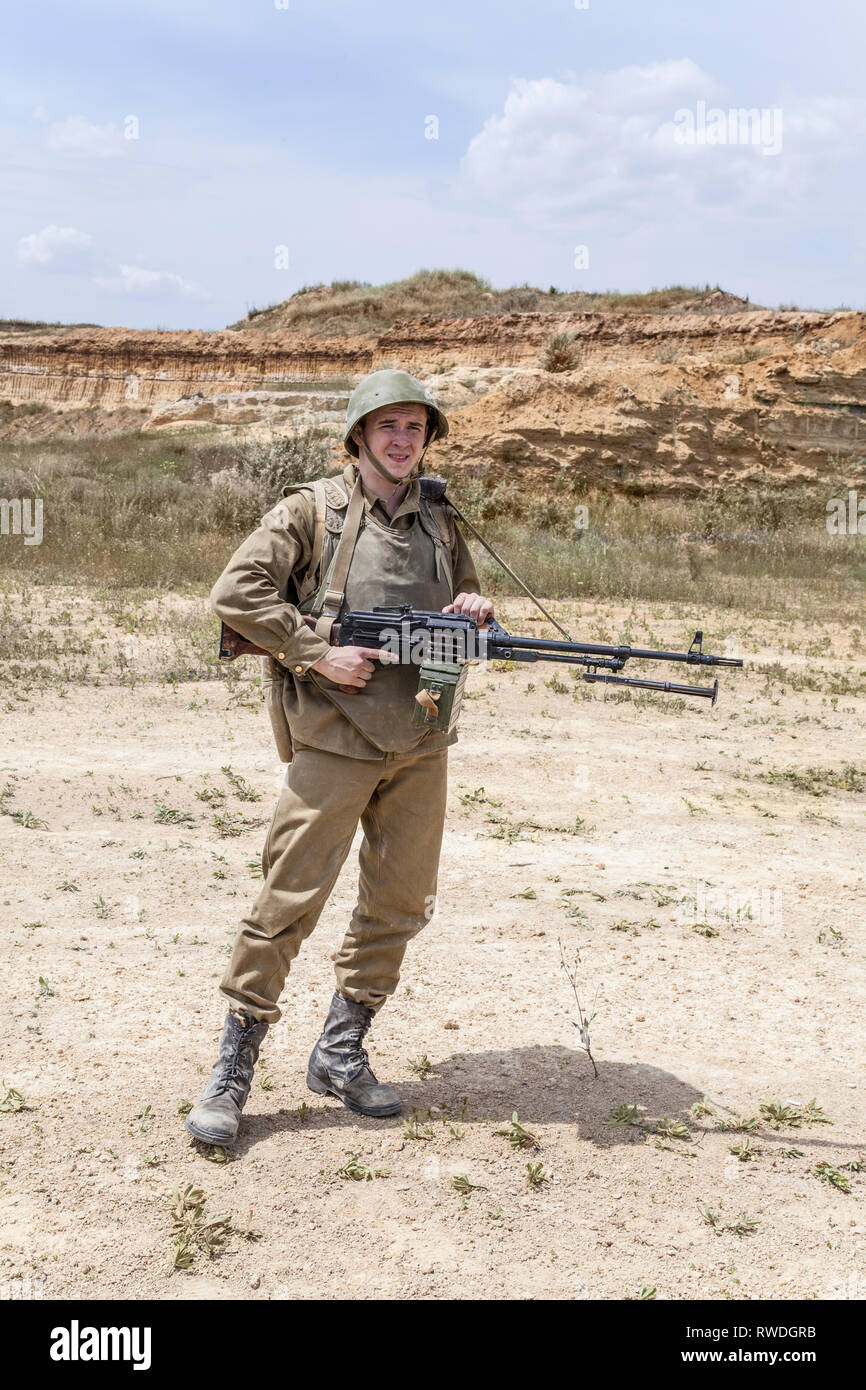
x: 719, y: 919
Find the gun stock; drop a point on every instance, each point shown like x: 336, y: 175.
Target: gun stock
x: 232, y: 645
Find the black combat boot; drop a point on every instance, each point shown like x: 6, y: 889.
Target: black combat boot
x: 339, y: 1065
x: 215, y: 1119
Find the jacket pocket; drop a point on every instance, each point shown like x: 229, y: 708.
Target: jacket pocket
x: 273, y: 681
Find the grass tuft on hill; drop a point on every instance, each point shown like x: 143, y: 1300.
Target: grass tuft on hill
x: 356, y: 306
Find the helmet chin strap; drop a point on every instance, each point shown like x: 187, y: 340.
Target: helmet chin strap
x: 383, y: 471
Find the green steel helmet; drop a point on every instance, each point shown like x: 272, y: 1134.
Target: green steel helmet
x: 389, y: 387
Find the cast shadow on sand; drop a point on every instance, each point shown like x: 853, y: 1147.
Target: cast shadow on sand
x: 545, y: 1085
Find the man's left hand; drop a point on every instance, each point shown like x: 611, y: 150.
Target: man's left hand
x: 474, y: 605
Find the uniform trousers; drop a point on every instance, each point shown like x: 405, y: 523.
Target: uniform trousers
x: 400, y: 802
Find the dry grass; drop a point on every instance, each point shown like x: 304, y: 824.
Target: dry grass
x: 39, y: 326
x: 759, y: 550
x: 355, y: 306
x: 561, y: 353
x: 139, y: 511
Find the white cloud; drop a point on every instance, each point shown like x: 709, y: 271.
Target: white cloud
x: 70, y: 250
x: 148, y: 284
x: 81, y: 139
x: 56, y: 248
x: 561, y: 152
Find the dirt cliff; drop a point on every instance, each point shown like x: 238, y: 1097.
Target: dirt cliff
x: 686, y: 419
x: 518, y: 339
x: 110, y: 366
x: 658, y: 401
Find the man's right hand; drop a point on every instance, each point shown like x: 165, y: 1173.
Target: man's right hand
x: 351, y: 667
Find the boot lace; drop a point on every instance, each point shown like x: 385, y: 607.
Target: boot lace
x: 231, y: 1078
x: 359, y: 1053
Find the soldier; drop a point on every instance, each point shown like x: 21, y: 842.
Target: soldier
x: 343, y: 720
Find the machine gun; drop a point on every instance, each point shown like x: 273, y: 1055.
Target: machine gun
x: 444, y: 645
x: 451, y: 640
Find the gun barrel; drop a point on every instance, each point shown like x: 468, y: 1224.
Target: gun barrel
x: 621, y: 653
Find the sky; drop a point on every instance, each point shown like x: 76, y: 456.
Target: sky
x: 173, y: 163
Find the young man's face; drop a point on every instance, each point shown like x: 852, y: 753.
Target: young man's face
x: 394, y: 435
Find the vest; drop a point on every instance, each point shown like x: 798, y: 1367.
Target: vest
x: 388, y: 566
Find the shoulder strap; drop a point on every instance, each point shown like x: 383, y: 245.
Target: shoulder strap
x: 337, y: 493
x: 436, y: 510
x: 329, y: 501
x: 308, y: 583
x: 327, y: 606
x: 439, y: 519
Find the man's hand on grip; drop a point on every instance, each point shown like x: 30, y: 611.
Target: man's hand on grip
x: 351, y: 667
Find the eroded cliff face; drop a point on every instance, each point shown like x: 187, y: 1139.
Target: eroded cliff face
x: 678, y: 428
x: 518, y: 339
x: 112, y: 366
x: 669, y: 402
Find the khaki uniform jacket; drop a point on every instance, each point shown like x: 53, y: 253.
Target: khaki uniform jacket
x: 395, y: 561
